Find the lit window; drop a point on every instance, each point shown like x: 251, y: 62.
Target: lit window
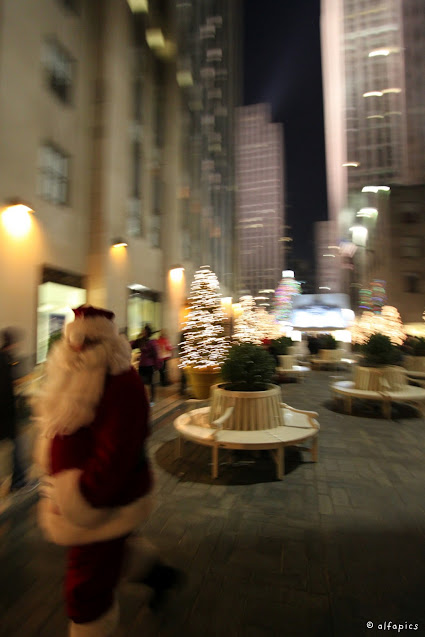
x: 59, y: 69
x: 53, y: 175
x: 411, y: 247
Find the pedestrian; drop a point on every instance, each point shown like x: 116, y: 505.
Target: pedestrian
x: 9, y: 374
x: 93, y: 415
x: 149, y: 361
x: 164, y: 348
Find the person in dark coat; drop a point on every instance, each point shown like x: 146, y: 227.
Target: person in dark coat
x: 8, y: 415
x: 149, y: 360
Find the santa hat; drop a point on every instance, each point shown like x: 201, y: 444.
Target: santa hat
x: 91, y: 324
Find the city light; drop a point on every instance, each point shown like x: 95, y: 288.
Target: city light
x: 375, y: 189
x: 377, y: 52
x: 391, y: 90
x: 351, y: 164
x: 155, y: 38
x: 373, y: 94
x: 138, y: 6
x: 369, y: 213
x: 176, y: 274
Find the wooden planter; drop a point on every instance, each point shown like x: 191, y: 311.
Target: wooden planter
x: 252, y: 410
x: 390, y: 378
x: 286, y: 361
x: 333, y: 355
x: 201, y: 380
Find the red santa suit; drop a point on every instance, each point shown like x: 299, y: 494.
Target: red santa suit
x: 93, y: 414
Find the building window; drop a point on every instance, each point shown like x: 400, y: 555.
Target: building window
x: 411, y: 283
x: 411, y: 247
x: 53, y: 175
x: 58, y: 65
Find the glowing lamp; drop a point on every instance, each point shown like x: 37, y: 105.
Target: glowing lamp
x: 118, y: 242
x: 176, y: 274
x: 16, y: 219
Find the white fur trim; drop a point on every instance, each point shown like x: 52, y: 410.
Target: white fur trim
x: 71, y: 502
x: 104, y: 626
x: 122, y: 521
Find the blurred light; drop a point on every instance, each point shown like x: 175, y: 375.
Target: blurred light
x: 391, y: 90
x: 373, y: 94
x: 384, y: 188
x: 118, y: 242
x: 359, y: 234
x: 375, y: 189
x: 324, y: 287
x: 379, y: 52
x: 138, y: 287
x: 370, y: 213
x: 288, y: 274
x: 176, y: 274
x: 266, y: 291
x: 375, y: 117
x: 333, y: 247
x: 328, y: 255
x: 16, y: 219
x: 155, y: 38
x: 138, y: 6
x: 352, y: 164
x: 184, y: 78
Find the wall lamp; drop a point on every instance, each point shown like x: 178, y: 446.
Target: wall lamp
x: 16, y: 217
x: 176, y: 273
x: 119, y: 242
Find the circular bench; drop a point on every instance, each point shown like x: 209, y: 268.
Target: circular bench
x: 408, y: 394
x: 300, y: 426
x: 299, y: 371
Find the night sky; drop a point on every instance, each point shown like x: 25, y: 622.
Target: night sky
x: 282, y: 67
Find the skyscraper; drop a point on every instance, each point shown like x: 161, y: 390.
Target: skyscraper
x: 373, y: 57
x: 260, y: 200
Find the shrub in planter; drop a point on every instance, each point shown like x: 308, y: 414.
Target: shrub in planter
x: 327, y: 341
x: 280, y: 346
x: 248, y: 367
x: 378, y: 351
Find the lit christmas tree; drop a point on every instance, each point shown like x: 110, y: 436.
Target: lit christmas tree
x: 284, y: 297
x: 254, y: 324
x: 204, y: 346
x: 378, y: 295
x: 388, y: 322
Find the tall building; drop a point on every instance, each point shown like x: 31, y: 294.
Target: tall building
x: 373, y: 58
x: 260, y: 199
x: 90, y: 131
x: 209, y: 73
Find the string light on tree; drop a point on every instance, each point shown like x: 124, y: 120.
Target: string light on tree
x: 254, y: 324
x: 378, y: 295
x: 388, y: 322
x: 284, y: 296
x: 204, y: 344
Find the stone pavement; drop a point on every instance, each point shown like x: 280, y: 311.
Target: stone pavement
x: 331, y: 547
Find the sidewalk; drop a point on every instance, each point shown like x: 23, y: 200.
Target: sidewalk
x: 333, y: 546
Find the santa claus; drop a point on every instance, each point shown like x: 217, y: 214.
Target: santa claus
x: 93, y: 413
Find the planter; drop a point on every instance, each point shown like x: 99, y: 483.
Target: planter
x: 415, y: 363
x: 201, y: 380
x: 286, y: 361
x: 252, y: 410
x: 390, y: 378
x: 333, y: 355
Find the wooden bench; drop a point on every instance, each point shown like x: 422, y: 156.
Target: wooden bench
x: 300, y: 426
x: 299, y: 371
x: 408, y: 394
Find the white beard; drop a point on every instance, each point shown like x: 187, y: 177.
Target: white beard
x: 74, y: 384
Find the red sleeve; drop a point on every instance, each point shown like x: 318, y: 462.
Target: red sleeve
x: 118, y: 445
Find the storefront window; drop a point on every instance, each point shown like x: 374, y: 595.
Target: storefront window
x: 55, y: 305
x: 142, y: 310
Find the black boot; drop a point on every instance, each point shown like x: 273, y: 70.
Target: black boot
x: 161, y: 579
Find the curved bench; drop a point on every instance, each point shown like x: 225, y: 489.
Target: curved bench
x: 408, y: 394
x: 300, y: 426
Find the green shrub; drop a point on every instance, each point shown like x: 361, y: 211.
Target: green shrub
x: 248, y: 367
x: 280, y: 346
x: 418, y: 347
x: 327, y: 341
x: 379, y: 351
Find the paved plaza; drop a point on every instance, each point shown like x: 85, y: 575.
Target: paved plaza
x: 331, y: 547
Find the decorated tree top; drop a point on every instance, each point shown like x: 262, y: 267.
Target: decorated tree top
x: 254, y: 324
x: 204, y: 344
x: 284, y: 296
x: 388, y: 322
